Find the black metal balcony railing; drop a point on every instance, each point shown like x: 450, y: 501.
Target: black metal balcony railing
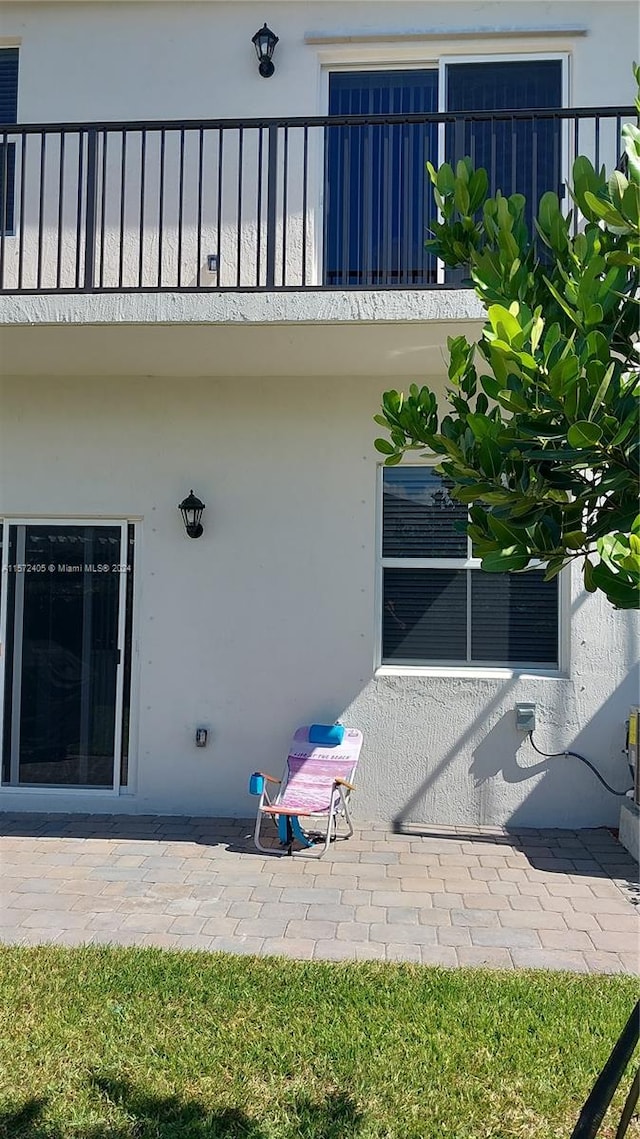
x: 262, y: 204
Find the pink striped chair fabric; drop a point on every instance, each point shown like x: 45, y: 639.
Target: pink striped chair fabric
x: 311, y: 771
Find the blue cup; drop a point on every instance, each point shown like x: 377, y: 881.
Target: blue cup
x: 256, y: 783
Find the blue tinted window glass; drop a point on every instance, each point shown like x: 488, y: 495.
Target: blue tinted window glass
x: 378, y: 199
x: 520, y: 155
x: 420, y: 518
x: 8, y: 114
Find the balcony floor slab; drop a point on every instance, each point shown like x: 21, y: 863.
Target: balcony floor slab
x: 389, y: 333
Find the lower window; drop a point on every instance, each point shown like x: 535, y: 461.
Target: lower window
x: 438, y: 606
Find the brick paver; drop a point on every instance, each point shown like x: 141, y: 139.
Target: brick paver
x: 438, y: 896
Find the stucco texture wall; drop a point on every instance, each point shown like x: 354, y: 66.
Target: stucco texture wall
x: 268, y: 621
x: 87, y: 61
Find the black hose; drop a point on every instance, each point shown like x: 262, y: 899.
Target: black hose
x: 576, y: 755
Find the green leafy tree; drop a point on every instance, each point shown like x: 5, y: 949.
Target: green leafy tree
x: 543, y: 442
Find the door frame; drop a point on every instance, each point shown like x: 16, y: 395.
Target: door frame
x: 502, y: 57
x: 115, y: 789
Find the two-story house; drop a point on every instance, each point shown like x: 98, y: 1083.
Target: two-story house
x: 211, y: 267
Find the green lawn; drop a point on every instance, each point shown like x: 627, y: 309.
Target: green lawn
x: 146, y: 1044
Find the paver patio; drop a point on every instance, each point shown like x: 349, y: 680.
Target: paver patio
x: 444, y: 896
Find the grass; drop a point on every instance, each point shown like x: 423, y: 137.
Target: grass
x: 106, y: 1043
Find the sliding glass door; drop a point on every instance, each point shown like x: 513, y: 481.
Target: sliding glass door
x: 65, y: 632
x: 378, y: 200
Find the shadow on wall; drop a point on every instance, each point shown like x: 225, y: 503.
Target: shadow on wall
x: 405, y: 815
x: 558, y: 786
x: 565, y: 781
x: 172, y: 1117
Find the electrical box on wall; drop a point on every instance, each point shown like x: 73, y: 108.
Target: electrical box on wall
x: 202, y: 736
x: 525, y: 717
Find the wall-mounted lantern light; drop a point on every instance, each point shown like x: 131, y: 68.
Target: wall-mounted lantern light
x: 191, y: 510
x: 264, y: 42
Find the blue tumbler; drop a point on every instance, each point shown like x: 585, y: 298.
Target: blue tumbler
x: 256, y: 783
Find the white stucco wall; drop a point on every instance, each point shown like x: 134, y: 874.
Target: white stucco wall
x: 92, y: 61
x: 269, y: 620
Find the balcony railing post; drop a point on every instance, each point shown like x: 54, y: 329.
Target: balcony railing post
x: 91, y: 208
x: 272, y: 206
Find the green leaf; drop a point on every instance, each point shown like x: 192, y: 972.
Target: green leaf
x: 491, y: 386
x: 602, y: 390
x: 612, y: 217
x: 480, y: 425
x: 505, y: 534
x: 584, y: 434
x: 504, y: 323
x: 554, y: 566
x: 627, y: 426
x: 617, y: 185
x: 574, y: 539
x: 573, y: 316
x: 594, y: 315
x: 548, y: 210
x: 508, y: 560
x: 384, y: 446
x: 446, y: 179
x: 622, y: 592
x: 461, y: 197
x: 478, y: 189
x: 587, y: 573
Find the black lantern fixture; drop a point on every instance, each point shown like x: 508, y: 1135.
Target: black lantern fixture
x: 191, y: 510
x: 264, y: 42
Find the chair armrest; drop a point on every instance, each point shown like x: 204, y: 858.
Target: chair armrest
x: 269, y: 778
x: 343, y: 783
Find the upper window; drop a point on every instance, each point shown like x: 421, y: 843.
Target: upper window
x: 439, y: 606
x: 8, y: 115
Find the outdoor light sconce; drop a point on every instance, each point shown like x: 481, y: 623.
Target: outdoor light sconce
x: 264, y: 42
x: 191, y: 510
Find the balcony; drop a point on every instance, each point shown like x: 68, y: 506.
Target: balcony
x: 218, y: 228
x: 339, y: 202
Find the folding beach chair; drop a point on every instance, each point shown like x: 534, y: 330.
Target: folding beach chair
x: 316, y: 785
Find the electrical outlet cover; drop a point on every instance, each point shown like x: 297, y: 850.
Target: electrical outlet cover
x: 525, y: 717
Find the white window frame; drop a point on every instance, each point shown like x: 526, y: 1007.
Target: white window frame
x: 116, y: 790
x: 457, y: 667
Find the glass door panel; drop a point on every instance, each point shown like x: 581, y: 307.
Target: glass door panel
x: 63, y: 654
x: 522, y: 156
x: 378, y: 201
